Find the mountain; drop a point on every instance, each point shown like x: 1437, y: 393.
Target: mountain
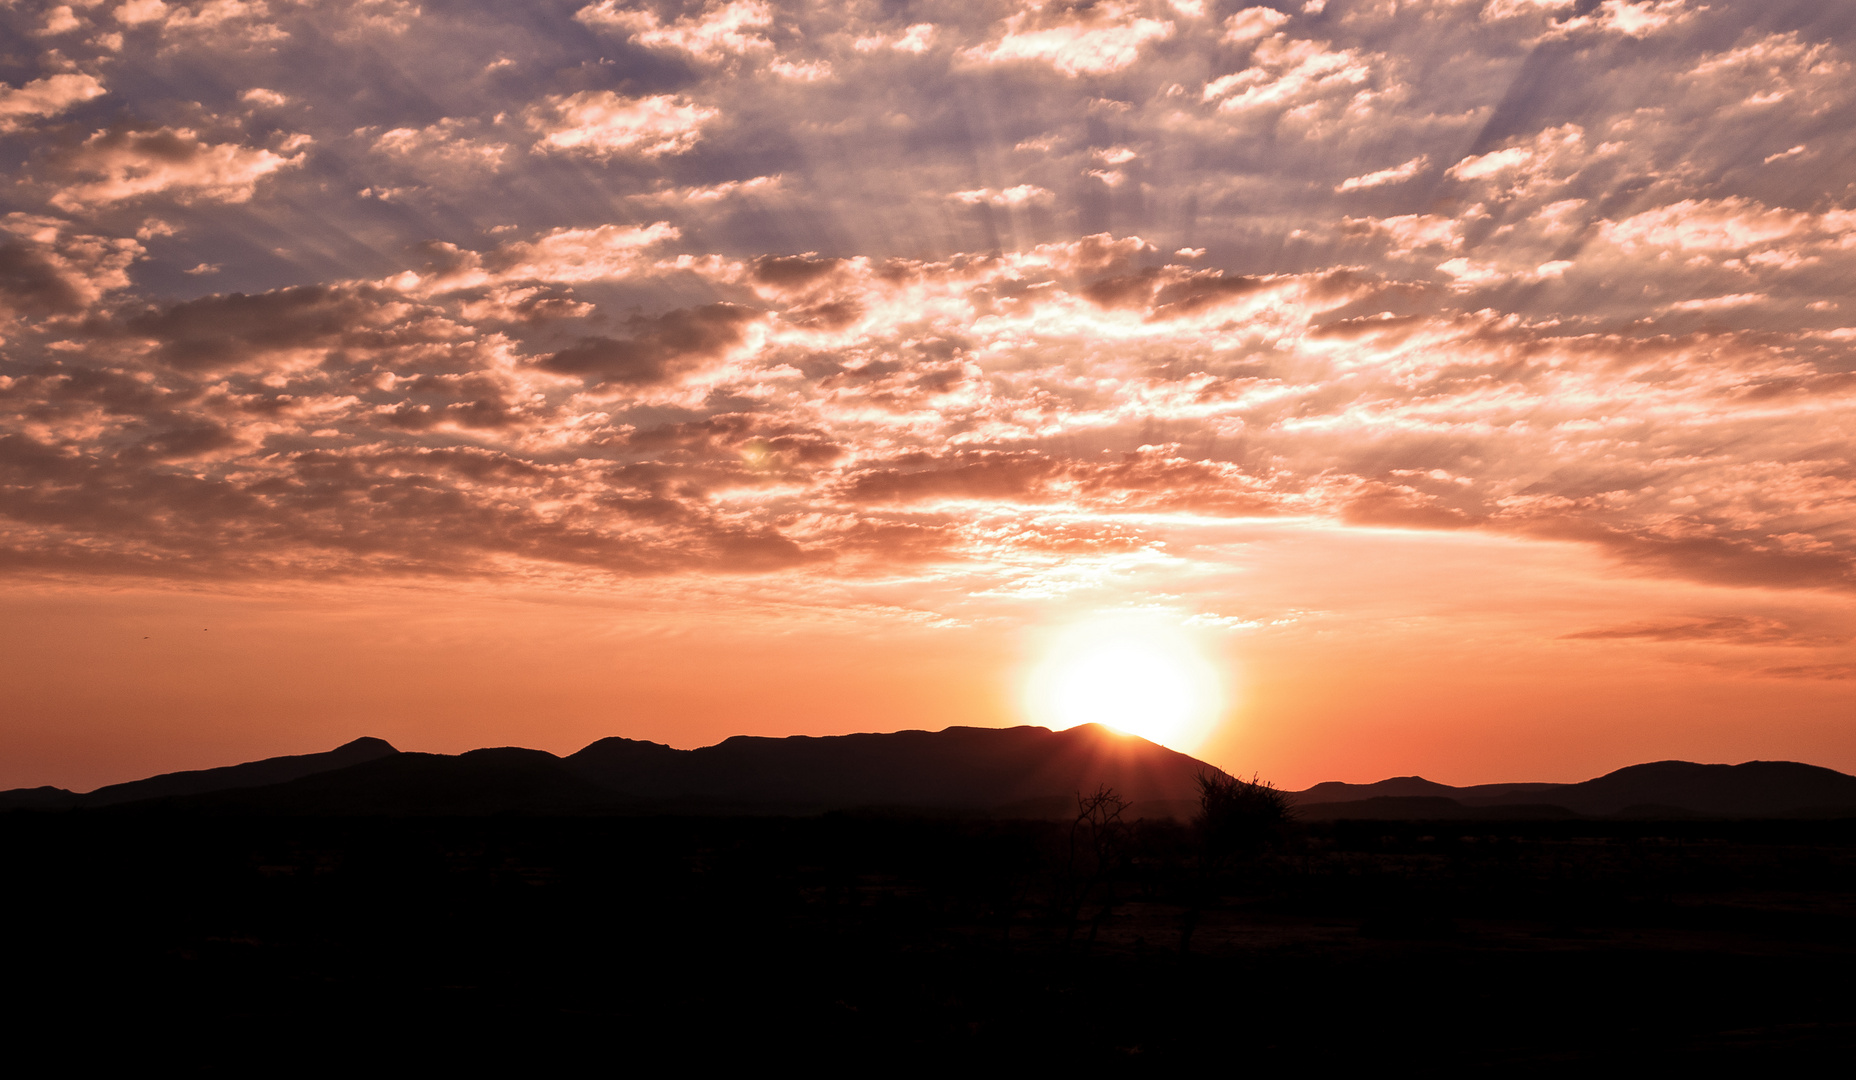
x: 496, y: 780
x: 1661, y: 789
x: 1405, y: 787
x: 251, y: 774
x: 1426, y: 808
x: 1023, y: 772
x: 1007, y: 772
x: 1750, y: 789
x: 955, y: 767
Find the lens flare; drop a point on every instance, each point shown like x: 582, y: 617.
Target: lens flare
x: 1139, y: 676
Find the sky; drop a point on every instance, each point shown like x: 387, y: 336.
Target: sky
x: 1459, y: 387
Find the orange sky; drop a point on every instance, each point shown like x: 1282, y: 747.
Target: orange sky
x: 1355, y: 656
x: 1468, y: 383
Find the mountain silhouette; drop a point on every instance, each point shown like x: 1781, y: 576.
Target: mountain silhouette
x: 251, y: 774
x: 1026, y: 772
x: 955, y: 767
x: 1023, y: 771
x: 1661, y: 789
x: 495, y: 780
x: 1404, y: 787
x: 1751, y: 789
x: 1427, y: 808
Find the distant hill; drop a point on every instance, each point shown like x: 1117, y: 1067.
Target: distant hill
x: 1751, y: 789
x: 1665, y: 789
x: 1427, y: 808
x: 251, y: 774
x: 498, y: 780
x: 1027, y: 772
x: 1410, y: 787
x: 1023, y: 771
x: 954, y: 767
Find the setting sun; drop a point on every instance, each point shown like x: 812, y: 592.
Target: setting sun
x: 1142, y: 677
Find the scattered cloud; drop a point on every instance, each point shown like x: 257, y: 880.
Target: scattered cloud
x: 1092, y: 40
x: 600, y: 123
x: 269, y: 99
x: 49, y: 269
x: 45, y: 97
x: 444, y: 147
x: 1721, y: 629
x: 1018, y: 195
x: 916, y: 39
x: 716, y: 33
x: 118, y: 165
x: 1397, y: 174
x: 1252, y: 23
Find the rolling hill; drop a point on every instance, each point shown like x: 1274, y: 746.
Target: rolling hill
x: 1027, y: 772
x: 1023, y: 771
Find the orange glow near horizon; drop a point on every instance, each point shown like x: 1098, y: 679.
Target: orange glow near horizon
x: 1343, y: 655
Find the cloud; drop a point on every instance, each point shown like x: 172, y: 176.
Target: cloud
x: 119, y: 165
x: 1409, y: 232
x: 1714, y: 303
x: 658, y: 347
x: 1397, y: 174
x: 1018, y: 195
x: 1094, y: 40
x: 1298, y: 75
x: 577, y: 255
x: 137, y: 12
x: 45, y: 97
x: 1550, y: 154
x: 49, y: 269
x: 714, y: 193
x: 227, y: 24
x: 1252, y: 23
x: 916, y: 39
x: 727, y: 318
x: 718, y: 32
x: 1706, y: 225
x: 216, y: 332
x: 1634, y: 19
x: 980, y: 388
x: 813, y: 71
x: 602, y: 124
x: 1828, y: 672
x: 442, y: 147
x: 60, y: 20
x: 1723, y: 629
x: 559, y: 257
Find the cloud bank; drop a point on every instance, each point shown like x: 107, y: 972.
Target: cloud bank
x: 646, y: 289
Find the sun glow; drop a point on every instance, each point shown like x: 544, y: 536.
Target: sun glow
x: 1140, y: 676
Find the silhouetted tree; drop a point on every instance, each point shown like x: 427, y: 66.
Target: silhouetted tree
x: 1097, y: 836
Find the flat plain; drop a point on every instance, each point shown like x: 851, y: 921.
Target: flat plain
x: 910, y: 940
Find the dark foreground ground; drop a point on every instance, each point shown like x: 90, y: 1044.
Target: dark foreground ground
x: 904, y: 944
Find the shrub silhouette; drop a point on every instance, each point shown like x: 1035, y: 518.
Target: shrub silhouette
x: 1240, y: 817
x: 1237, y: 820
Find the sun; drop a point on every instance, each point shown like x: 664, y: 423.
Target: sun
x: 1134, y: 674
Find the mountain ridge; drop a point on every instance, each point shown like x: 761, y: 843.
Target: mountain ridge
x: 968, y: 769
x: 260, y: 773
x: 1018, y: 771
x: 1749, y: 789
